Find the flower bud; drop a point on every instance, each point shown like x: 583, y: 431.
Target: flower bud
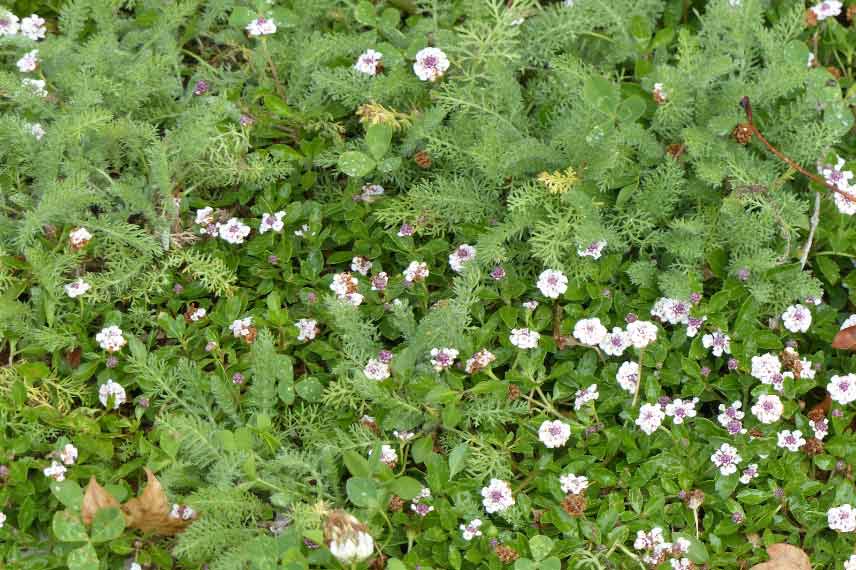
x: 347, y: 538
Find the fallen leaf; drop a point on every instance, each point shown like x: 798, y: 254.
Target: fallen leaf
x: 784, y: 557
x: 96, y: 498
x: 150, y: 511
x: 845, y: 339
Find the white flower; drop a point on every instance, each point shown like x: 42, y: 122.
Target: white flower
x: 497, y: 497
x: 388, y: 455
x: 9, y: 25
x: 272, y: 222
x: 679, y: 409
x: 371, y: 192
x: 114, y: 390
x: 463, y: 254
x: 820, y: 428
x: 369, y: 62
x: 574, y: 484
x: 79, y: 237
x: 660, y: 93
x: 404, y: 437
x: 37, y: 130
x: 33, y: 27
x: 416, y: 271
x: 56, y: 471
x: 204, y: 216
x: 554, y: 433
x: 198, y: 314
x: 810, y: 60
x: 361, y: 265
x: 791, y: 440
x: 648, y: 540
x: 807, y: 371
x: 615, y: 343
x: 842, y: 519
x: 589, y: 331
x: 766, y: 367
x: 307, y: 329
x: 135, y: 566
x: 585, y: 396
x: 694, y: 324
x: 2, y: 519
x: 628, y: 375
x: 672, y: 311
x: 234, y: 231
x: 850, y: 564
x: 849, y: 322
x: 261, y: 26
x: 749, y: 473
x: 431, y: 63
x: 827, y: 9
x: 29, y: 61
x: 471, y: 529
x: 845, y: 200
x: 530, y: 305
x: 650, y: 418
x: 111, y: 339
x: 241, y: 327
x: 68, y: 455
x: 304, y: 231
x: 443, y: 358
x: 681, y: 564
x: 352, y: 548
x: 641, y: 333
x: 36, y: 86
x: 718, y: 342
x: 797, y: 318
x: 524, y: 338
x: 479, y: 361
x: 343, y: 283
x: 593, y: 250
x: 77, y: 288
x: 730, y: 413
x: 182, y: 512
x: 726, y: 459
x: 842, y: 389
x: 768, y: 409
x: 376, y: 370
x: 552, y: 283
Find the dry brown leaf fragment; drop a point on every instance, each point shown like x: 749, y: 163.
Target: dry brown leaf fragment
x: 845, y: 339
x: 784, y: 557
x: 96, y: 498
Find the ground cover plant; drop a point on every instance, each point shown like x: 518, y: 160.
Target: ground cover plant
x: 417, y: 284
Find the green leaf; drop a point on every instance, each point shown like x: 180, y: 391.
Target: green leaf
x: 454, y: 557
x: 362, y: 492
x: 108, y: 524
x: 540, y: 546
x: 68, y: 493
x: 83, y: 558
x: 601, y: 93
x: 355, y: 163
x: 632, y: 108
x: 378, y: 139
x: 356, y: 464
x: 458, y: 459
x: 68, y: 527
x: 422, y: 449
x: 309, y: 389
x: 405, y: 487
x: 395, y: 564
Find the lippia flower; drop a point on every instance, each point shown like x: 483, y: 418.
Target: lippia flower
x: 842, y: 389
x: 589, y: 331
x: 431, y: 63
x: 479, y: 361
x: 766, y: 367
x: 826, y: 9
x: 77, y: 288
x: 650, y: 418
x: 842, y: 519
x: 406, y: 230
x: 554, y: 433
x: 404, y: 437
x: 68, y: 454
x: 463, y: 254
x: 530, y: 305
x: 443, y: 358
x: 615, y: 343
x: 648, y: 540
x: 749, y: 473
x: 718, y: 342
x: 29, y: 61
x: 790, y: 440
x: 585, y: 396
x: 242, y: 328
x: 849, y: 322
x: 416, y: 271
x: 347, y: 538
x: 679, y: 409
x: 376, y: 370
x: 850, y: 563
x: 111, y: 339
x: 9, y: 23
x: 56, y: 471
x: 369, y: 62
x: 574, y: 484
x: 343, y: 284
x: 181, y: 512
x: 234, y: 231
x: 628, y: 376
x: 497, y: 497
x: 820, y: 428
x: 380, y: 281
x: 111, y: 391
x: 37, y: 130
x: 524, y: 338
x: 660, y: 94
x: 35, y: 86
x: 370, y: 193
x: 272, y: 222
x: 195, y: 314
x: 845, y: 200
x: 361, y: 265
x: 768, y: 409
x: 797, y: 318
x: 694, y: 325
x: 33, y: 27
x: 552, y: 283
x: 672, y: 311
x: 2, y: 519
x: 641, y: 333
x: 471, y: 530
x: 306, y: 329
x: 388, y: 455
x: 593, y: 249
x: 261, y: 26
x: 730, y: 417
x: 79, y: 237
x: 726, y: 459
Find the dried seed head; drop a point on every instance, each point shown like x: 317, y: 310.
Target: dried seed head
x: 742, y: 133
x: 395, y: 505
x: 513, y: 392
x: 422, y: 159
x: 695, y: 499
x: 574, y: 505
x: 813, y: 447
x: 676, y: 150
x: 810, y: 18
x: 834, y: 71
x: 506, y: 554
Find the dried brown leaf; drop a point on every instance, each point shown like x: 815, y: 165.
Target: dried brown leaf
x: 845, y: 339
x: 784, y: 557
x: 95, y: 499
x: 150, y: 511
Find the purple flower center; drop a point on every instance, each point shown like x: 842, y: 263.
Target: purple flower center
x: 430, y: 62
x: 496, y: 496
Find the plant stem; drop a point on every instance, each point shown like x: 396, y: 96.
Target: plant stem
x: 815, y: 219
x: 638, y: 380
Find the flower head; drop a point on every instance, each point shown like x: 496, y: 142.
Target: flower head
x: 33, y: 26
x: 35, y: 86
x: 593, y: 250
x: 443, y: 358
x: 790, y: 440
x: 77, y: 288
x: 749, y: 473
x: 272, y: 222
x: 431, y: 63
x: 29, y: 61
x: 590, y: 332
x: 584, y: 396
x: 388, y: 455
x: 68, y: 454
x: 726, y: 459
x: 768, y: 409
x: 234, y: 231
x: 463, y: 253
x: 111, y: 391
x: 554, y: 433
x: 797, y: 318
x: 56, y: 471
x: 376, y: 370
x: 842, y: 389
x: 479, y: 361
x: 416, y: 271
x: 766, y: 367
x: 679, y: 409
x: 718, y: 342
x: 628, y: 376
x: 497, y: 497
x: 111, y: 339
x: 641, y: 333
x: 574, y: 484
x: 842, y: 519
x: 369, y: 62
x: 650, y: 418
x: 79, y: 237
x: 9, y: 23
x: 471, y: 530
x: 261, y: 26
x: 347, y: 538
x: 552, y: 283
x: 615, y: 343
x: 826, y: 9
x: 242, y: 328
x: 524, y: 338
x: 306, y: 329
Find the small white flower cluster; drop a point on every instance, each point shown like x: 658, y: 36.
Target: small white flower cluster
x: 718, y: 342
x: 369, y: 62
x: 797, y: 318
x: 672, y: 311
x: 2, y: 519
x: 29, y: 61
x: 573, y: 484
x: 242, y: 328
x: 416, y: 271
x: 431, y: 64
x: 593, y: 250
x: 524, y: 338
x: 32, y: 27
x: 479, y: 361
x: 56, y: 471
x: 349, y: 541
x: 638, y: 334
x: 68, y: 454
x: 589, y: 332
x: 628, y: 376
x: 680, y: 410
x: 768, y: 408
x: 388, y: 455
x: 361, y: 265
x: 552, y: 283
x: 306, y: 329
x: 463, y: 253
x: 586, y: 395
x: 35, y: 86
x: 656, y: 549
x: 650, y: 418
x: 497, y: 496
x: 261, y: 26
x: 376, y: 370
x: 842, y: 519
x: 181, y: 512
x: 111, y: 390
x: 272, y: 222
x: 370, y: 193
x: 826, y: 9
x: 77, y: 288
x: 726, y: 459
x: 111, y: 339
x: 344, y: 285
x: 790, y: 440
x: 419, y: 503
x: 471, y: 530
x: 233, y: 231
x: 768, y: 369
x: 197, y: 314
x: 731, y: 417
x: 820, y: 428
x: 749, y: 473
x: 837, y: 177
x: 443, y: 358
x: 79, y: 237
x: 842, y: 389
x: 554, y: 433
